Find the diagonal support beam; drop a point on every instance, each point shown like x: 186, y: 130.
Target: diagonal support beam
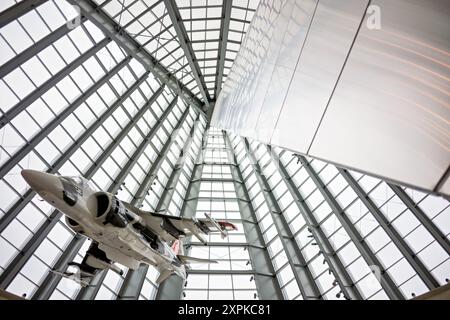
x: 343, y: 278
x: 134, y: 279
x: 183, y: 39
x: 51, y: 281
x: 28, y: 196
x: 428, y: 224
x: 148, y: 180
x: 111, y: 29
x: 89, y: 293
x: 169, y: 190
x: 19, y: 9
x: 365, y: 251
x: 268, y: 286
x: 19, y: 155
x: 50, y: 83
x: 30, y: 52
x: 297, y: 262
x: 384, y: 223
x: 224, y: 30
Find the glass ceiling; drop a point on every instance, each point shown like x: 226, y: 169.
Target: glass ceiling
x: 76, y: 102
x: 209, y: 25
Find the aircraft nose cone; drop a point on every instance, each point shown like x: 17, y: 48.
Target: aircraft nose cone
x: 40, y: 181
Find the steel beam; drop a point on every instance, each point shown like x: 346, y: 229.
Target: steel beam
x: 50, y: 83
x: 29, y: 194
x: 266, y: 282
x: 169, y: 190
x: 113, y: 30
x: 343, y: 278
x: 32, y: 51
x: 22, y: 257
x: 390, y: 230
x: 297, y: 262
x: 151, y: 176
x: 132, y: 284
x: 390, y: 286
x: 224, y: 30
x: 366, y: 252
x: 19, y: 155
x: 183, y: 39
x: 46, y: 288
x: 17, y: 10
x: 426, y: 222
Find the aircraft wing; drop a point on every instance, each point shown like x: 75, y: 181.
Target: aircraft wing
x: 188, y: 260
x: 171, y: 228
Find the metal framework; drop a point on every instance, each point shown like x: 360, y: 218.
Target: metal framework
x: 343, y: 278
x: 265, y: 279
x: 111, y: 29
x: 4, y: 169
x: 51, y: 281
x: 224, y: 30
x: 362, y: 246
x: 17, y: 10
x: 296, y: 260
x: 132, y: 285
x: 183, y: 38
x: 28, y: 196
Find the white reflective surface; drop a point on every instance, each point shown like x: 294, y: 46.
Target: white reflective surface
x: 376, y: 100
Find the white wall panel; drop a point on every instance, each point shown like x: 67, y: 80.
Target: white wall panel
x: 372, y: 100
x: 390, y: 112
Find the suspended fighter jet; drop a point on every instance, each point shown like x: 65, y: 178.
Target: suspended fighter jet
x: 119, y: 231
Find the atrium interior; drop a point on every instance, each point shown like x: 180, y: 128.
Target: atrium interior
x: 122, y: 92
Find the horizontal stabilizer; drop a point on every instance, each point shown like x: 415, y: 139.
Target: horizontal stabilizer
x: 187, y: 260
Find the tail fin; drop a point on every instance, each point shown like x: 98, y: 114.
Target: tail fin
x: 177, y: 247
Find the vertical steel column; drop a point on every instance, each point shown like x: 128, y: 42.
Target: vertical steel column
x: 169, y: 190
x: 337, y: 268
x: 134, y: 279
x: 366, y: 252
x: 390, y: 230
x: 302, y: 274
x: 173, y: 286
x: 265, y: 279
x: 17, y: 10
x: 428, y: 224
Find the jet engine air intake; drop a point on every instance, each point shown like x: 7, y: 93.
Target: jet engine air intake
x: 112, y: 210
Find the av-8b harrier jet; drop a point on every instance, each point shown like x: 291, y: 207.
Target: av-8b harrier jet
x: 119, y: 231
